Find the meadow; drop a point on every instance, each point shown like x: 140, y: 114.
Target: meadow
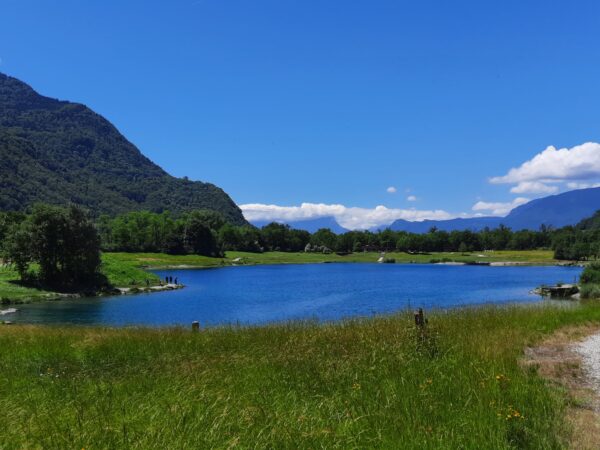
x: 161, y: 260
x: 354, y: 384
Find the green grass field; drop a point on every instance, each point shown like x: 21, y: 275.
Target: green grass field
x: 356, y: 384
x: 119, y: 272
x: 11, y: 291
x: 160, y: 260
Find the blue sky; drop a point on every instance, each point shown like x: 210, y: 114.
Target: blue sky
x: 331, y: 102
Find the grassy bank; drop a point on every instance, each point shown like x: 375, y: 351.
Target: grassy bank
x: 160, y: 260
x: 356, y: 384
x: 12, y: 291
x: 118, y: 272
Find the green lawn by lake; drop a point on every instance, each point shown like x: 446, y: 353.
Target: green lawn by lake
x: 158, y: 260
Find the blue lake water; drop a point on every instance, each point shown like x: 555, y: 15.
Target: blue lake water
x: 262, y: 294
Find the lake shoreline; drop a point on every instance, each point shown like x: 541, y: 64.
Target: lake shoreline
x: 143, y: 264
x: 264, y: 294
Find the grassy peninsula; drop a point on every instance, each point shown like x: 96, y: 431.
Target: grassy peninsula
x: 355, y: 384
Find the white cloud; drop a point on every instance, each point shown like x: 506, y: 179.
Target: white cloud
x: 391, y: 190
x: 581, y: 162
x: 575, y: 185
x: 349, y: 217
x: 411, y: 198
x: 533, y: 187
x: 499, y: 208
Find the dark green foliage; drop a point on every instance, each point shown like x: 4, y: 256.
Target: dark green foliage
x: 61, y: 153
x: 590, y: 290
x: 62, y: 241
x: 245, y: 239
x: 279, y: 237
x: 590, y: 281
x: 324, y: 238
x: 591, y: 274
x: 7, y: 220
x: 591, y: 223
x: 574, y: 244
x: 199, y: 238
x: 144, y: 231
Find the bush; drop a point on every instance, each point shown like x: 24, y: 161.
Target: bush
x: 590, y: 290
x: 591, y: 274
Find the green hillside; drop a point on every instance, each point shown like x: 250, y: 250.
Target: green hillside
x: 60, y: 152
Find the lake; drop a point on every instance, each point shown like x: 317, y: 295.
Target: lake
x: 262, y: 294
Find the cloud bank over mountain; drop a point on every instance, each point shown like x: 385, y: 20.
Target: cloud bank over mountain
x: 542, y: 173
x: 499, y: 208
x: 348, y: 217
x: 548, y: 172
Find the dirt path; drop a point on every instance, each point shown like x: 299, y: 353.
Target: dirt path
x: 571, y: 359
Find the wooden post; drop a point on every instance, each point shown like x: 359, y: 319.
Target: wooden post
x: 419, y: 318
x: 195, y: 326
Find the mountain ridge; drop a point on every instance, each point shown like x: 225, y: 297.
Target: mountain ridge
x: 60, y: 152
x: 559, y: 210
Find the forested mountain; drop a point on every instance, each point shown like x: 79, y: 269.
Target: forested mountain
x: 558, y: 210
x: 60, y: 152
x: 555, y: 211
x: 591, y: 223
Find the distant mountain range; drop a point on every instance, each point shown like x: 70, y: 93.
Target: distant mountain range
x: 568, y: 208
x: 557, y: 211
x: 61, y: 152
x: 310, y: 225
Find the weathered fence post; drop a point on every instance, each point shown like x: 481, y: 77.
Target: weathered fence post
x: 421, y: 332
x: 195, y: 326
x: 419, y: 318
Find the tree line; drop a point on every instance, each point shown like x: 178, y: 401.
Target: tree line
x: 65, y: 243
x: 208, y: 233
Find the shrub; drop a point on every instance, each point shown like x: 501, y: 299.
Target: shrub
x: 591, y: 274
x: 590, y: 290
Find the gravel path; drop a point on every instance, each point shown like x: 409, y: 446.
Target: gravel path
x: 590, y: 354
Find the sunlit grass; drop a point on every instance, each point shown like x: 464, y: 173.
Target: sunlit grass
x: 356, y: 384
x: 10, y: 290
x: 163, y: 260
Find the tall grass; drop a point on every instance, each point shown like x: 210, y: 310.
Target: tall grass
x: 356, y: 384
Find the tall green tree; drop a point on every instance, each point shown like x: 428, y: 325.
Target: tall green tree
x: 199, y: 238
x: 63, y: 242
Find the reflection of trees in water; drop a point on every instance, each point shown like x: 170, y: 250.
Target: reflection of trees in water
x: 78, y: 311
